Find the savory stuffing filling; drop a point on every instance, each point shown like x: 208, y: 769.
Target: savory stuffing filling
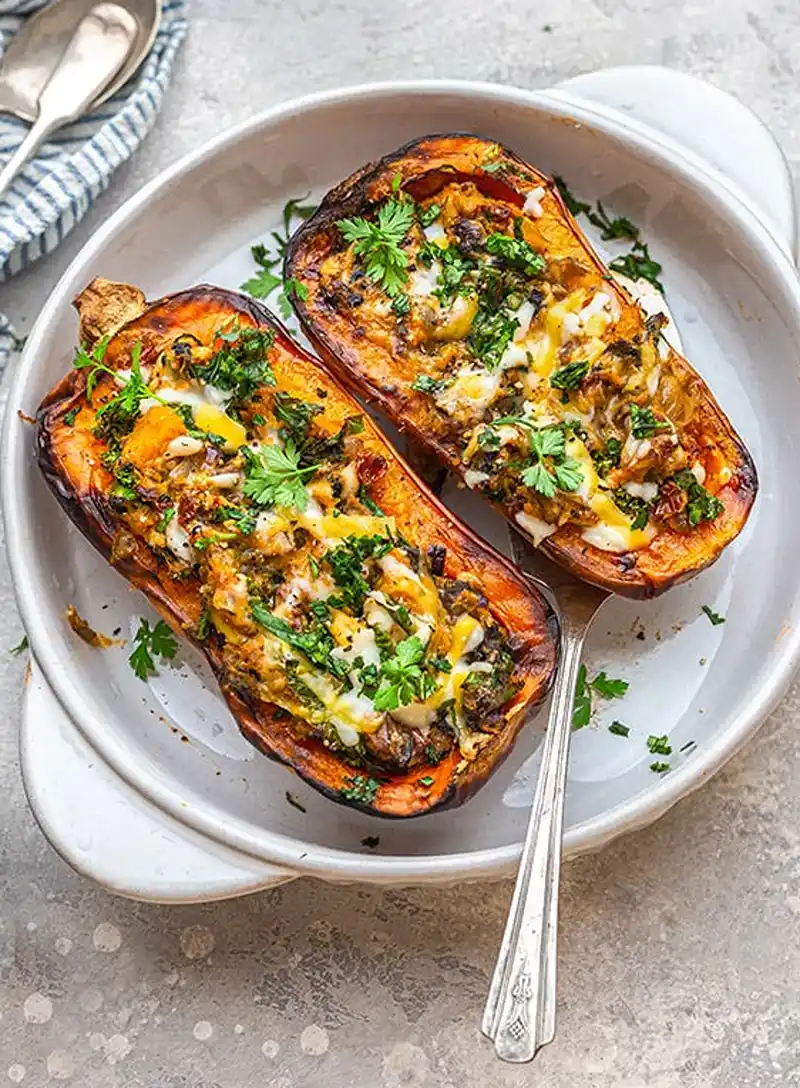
x: 559, y: 405
x: 319, y: 603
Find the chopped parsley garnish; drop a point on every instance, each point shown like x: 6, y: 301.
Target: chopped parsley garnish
x: 21, y: 647
x: 659, y: 746
x: 637, y: 508
x: 244, y: 520
x: 714, y: 617
x: 273, y: 476
x: 492, y: 332
x: 701, y: 505
x: 71, y: 415
x: 165, y: 519
x: 151, y: 642
x: 401, y: 305
x: 360, y: 789
x: 203, y: 624
x: 368, y: 502
x: 117, y: 416
x: 296, y: 415
x: 424, y: 383
x: 570, y: 376
x: 644, y: 423
x: 347, y: 567
x: 449, y: 282
x: 428, y: 215
x: 516, y: 252
x: 608, y: 458
x: 292, y: 288
x: 402, y: 679
x: 378, y: 243
x: 240, y: 367
x: 608, y: 688
x: 639, y: 265
x: 315, y: 642
x: 441, y: 664
x: 574, y: 206
x: 426, y: 780
x: 582, y: 706
x: 660, y: 767
x: 618, y: 729
x: 266, y: 280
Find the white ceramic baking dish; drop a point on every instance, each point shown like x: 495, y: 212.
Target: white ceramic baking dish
x: 117, y: 791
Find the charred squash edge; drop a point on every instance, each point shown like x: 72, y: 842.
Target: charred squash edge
x: 522, y: 610
x: 425, y: 166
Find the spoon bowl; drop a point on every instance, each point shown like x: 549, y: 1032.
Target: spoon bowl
x: 35, y: 51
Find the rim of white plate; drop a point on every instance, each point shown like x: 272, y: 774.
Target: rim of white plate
x: 273, y: 846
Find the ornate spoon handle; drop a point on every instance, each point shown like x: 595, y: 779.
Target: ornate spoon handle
x: 520, y: 1011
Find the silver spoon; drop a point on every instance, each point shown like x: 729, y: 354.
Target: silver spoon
x: 33, y: 54
x: 520, y: 1013
x: 92, y: 58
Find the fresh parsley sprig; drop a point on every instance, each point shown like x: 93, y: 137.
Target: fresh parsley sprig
x: 266, y: 258
x: 273, y: 476
x: 151, y: 642
x: 402, y: 679
x: 378, y: 243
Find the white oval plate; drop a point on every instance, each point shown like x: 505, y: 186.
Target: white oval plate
x: 734, y: 295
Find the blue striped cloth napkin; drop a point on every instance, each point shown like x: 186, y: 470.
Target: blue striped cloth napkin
x: 57, y: 188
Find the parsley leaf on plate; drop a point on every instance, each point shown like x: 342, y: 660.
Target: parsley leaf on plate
x: 714, y: 617
x: 608, y: 688
x: 151, y: 642
x: 582, y: 707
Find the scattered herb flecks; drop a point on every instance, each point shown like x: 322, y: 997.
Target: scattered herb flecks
x: 637, y: 263
x: 714, y: 617
x: 294, y: 802
x: 360, y: 789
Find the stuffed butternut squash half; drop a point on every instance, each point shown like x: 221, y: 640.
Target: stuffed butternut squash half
x: 450, y: 285
x: 358, y: 631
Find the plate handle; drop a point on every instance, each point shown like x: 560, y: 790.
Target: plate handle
x: 109, y: 832
x: 723, y: 137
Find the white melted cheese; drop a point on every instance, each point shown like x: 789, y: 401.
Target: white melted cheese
x: 422, y: 281
x: 178, y: 541
x: 536, y: 529
x: 533, y: 202
x: 646, y: 490
x: 471, y: 393
x: 435, y: 232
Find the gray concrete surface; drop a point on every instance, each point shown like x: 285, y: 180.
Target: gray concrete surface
x: 680, y: 951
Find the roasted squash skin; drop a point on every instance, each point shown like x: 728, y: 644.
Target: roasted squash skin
x: 376, y: 365
x: 69, y: 457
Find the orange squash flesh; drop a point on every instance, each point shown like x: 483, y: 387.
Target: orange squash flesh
x: 373, y: 358
x: 70, y: 458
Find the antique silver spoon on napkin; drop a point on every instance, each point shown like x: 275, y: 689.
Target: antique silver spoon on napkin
x: 99, y: 47
x: 33, y: 53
